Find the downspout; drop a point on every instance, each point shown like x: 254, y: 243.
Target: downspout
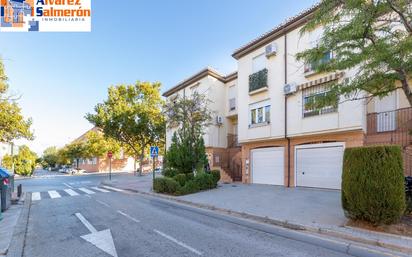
x: 286, y: 106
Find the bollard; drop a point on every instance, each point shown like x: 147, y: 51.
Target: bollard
x: 19, y: 190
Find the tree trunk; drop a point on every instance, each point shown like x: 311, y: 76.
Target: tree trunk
x: 407, y: 90
x: 141, y: 163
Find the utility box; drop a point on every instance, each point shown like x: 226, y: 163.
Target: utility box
x: 5, y: 186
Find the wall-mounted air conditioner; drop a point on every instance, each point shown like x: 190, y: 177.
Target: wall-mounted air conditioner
x: 271, y: 50
x: 219, y: 120
x: 290, y: 88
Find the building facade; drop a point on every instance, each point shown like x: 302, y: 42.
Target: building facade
x: 285, y: 139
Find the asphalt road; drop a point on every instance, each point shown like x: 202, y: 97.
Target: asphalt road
x: 69, y: 207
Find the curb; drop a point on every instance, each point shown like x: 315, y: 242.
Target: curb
x: 284, y: 224
x: 16, y: 248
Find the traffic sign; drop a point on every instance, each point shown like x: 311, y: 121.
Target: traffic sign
x: 154, y: 151
x: 109, y: 155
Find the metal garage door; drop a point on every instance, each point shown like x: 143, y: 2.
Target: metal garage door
x: 268, y: 166
x: 319, y: 165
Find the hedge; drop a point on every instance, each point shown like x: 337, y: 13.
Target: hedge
x: 373, y: 184
x: 216, y: 175
x: 183, y: 184
x: 165, y: 185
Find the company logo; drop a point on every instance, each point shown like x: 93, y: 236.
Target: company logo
x: 45, y: 15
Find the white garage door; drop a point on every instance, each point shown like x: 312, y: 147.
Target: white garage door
x: 319, y: 165
x: 268, y: 166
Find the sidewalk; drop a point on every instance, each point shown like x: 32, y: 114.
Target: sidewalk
x: 313, y: 210
x: 7, y: 225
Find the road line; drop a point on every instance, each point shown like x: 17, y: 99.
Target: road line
x: 103, y: 203
x: 71, y: 192
x: 35, y: 196
x: 113, y: 188
x: 100, y: 189
x: 178, y: 242
x: 69, y: 186
x: 87, y: 191
x: 53, y: 194
x: 86, y: 223
x: 127, y: 216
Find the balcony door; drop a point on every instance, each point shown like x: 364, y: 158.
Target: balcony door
x: 386, y: 109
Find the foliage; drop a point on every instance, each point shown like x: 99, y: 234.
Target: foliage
x: 205, y: 181
x: 373, y: 184
x: 50, y: 157
x: 165, y: 185
x: 132, y: 115
x: 373, y: 38
x: 216, y: 175
x: 24, y: 161
x: 181, y: 179
x: 12, y: 123
x: 75, y: 151
x: 97, y: 145
x: 190, y: 187
x: 169, y: 172
x: 258, y: 80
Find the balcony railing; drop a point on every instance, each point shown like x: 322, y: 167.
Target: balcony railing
x: 258, y: 80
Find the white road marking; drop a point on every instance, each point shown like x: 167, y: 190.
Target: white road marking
x: 35, y: 196
x: 113, y: 188
x: 53, y: 194
x: 87, y: 191
x: 69, y: 186
x: 178, y: 242
x: 103, y: 203
x: 101, y: 239
x: 101, y: 189
x: 127, y: 216
x: 86, y: 223
x: 71, y: 192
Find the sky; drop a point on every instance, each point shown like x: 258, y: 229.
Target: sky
x: 62, y: 76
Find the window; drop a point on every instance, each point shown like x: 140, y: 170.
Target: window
x: 318, y: 100
x: 311, y: 67
x: 232, y: 104
x: 260, y: 115
x: 259, y: 63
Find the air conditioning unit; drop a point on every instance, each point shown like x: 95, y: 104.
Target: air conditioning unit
x: 219, y: 120
x: 271, y: 50
x: 290, y: 88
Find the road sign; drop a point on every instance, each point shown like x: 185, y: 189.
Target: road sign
x: 109, y: 155
x: 154, y: 151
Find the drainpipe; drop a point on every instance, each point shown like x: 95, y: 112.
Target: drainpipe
x: 286, y: 105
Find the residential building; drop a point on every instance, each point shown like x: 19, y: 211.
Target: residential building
x: 102, y: 163
x: 221, y: 137
x: 285, y: 139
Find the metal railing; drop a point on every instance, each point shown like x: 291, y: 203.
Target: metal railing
x: 258, y: 80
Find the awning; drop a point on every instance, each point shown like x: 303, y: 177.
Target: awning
x: 5, y: 173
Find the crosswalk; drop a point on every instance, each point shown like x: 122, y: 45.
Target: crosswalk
x: 55, y: 194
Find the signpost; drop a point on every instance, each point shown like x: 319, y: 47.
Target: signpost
x: 154, y: 153
x: 110, y: 155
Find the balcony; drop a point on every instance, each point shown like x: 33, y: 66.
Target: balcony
x: 258, y: 81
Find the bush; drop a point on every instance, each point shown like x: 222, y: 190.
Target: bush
x: 190, y: 176
x: 373, y: 184
x: 165, y: 185
x: 204, y: 181
x: 189, y: 188
x: 169, y: 172
x: 216, y: 175
x: 181, y: 179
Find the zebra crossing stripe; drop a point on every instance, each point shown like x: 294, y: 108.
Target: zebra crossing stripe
x: 87, y: 191
x: 113, y: 188
x: 35, y: 196
x: 101, y: 189
x: 71, y: 192
x: 53, y: 194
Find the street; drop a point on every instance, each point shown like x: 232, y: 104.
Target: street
x: 80, y: 218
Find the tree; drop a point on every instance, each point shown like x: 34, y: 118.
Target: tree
x: 132, y: 115
x: 50, y: 156
x: 24, y: 161
x: 12, y: 123
x: 76, y: 151
x: 97, y: 145
x: 189, y: 116
x: 374, y: 38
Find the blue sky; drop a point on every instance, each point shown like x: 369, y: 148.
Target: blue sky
x: 61, y: 76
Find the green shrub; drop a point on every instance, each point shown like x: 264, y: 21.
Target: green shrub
x: 216, y: 175
x: 165, y: 185
x: 181, y: 179
x: 189, y: 188
x: 373, y: 184
x: 169, y: 172
x: 204, y: 181
x: 190, y: 176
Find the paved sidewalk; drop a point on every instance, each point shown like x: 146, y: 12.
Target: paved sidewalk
x: 7, y: 225
x: 315, y: 210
